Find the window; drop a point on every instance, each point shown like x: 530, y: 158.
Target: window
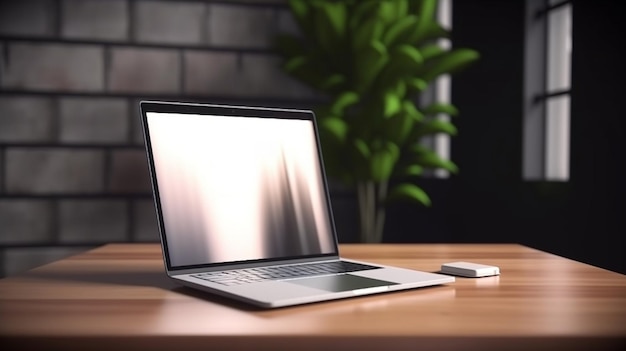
x: 440, y: 92
x: 547, y: 89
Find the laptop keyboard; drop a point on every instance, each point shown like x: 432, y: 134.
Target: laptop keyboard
x: 253, y: 275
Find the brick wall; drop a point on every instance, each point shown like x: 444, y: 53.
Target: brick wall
x: 73, y: 172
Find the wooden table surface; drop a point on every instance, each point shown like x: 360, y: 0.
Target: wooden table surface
x: 118, y: 297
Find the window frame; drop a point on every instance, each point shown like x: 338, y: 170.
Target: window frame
x: 546, y: 140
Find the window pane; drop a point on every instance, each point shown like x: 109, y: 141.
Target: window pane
x: 559, y: 48
x: 443, y: 86
x: 557, y: 137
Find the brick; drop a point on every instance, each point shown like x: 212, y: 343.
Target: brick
x: 176, y: 22
x: 94, y: 120
x: 241, y: 26
x: 26, y: 119
x: 25, y: 221
x: 93, y: 221
x: 212, y: 73
x: 54, y: 67
x: 262, y: 76
x: 27, y: 17
x: 144, y: 70
x: 20, y: 260
x: 40, y: 171
x: 129, y: 172
x: 145, y: 222
x: 95, y: 19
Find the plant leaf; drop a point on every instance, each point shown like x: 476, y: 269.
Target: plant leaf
x: 335, y: 12
x: 440, y: 107
x: 332, y: 82
x: 371, y: 30
x: 364, y: 10
x: 431, y: 50
x: 428, y: 158
x: 372, y: 60
x: 399, y: 127
x: 414, y: 170
x: 393, y: 103
x: 294, y: 63
x: 337, y: 128
x: 450, y: 62
x: 387, y: 11
x: 417, y: 84
x: 404, y: 62
x: 409, y: 108
x: 436, y: 126
x: 330, y: 20
x: 344, y: 100
x: 362, y: 148
x: 426, y: 14
x: 399, y: 30
x: 383, y: 161
x: 381, y: 165
x: 408, y: 191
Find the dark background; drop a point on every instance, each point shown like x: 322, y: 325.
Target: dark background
x: 487, y: 201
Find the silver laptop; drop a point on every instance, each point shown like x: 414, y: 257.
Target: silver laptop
x: 244, y: 211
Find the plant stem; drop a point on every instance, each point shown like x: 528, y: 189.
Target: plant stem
x: 380, y: 211
x: 371, y: 211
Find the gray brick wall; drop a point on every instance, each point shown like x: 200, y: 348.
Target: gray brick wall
x: 241, y: 26
x: 40, y: 66
x: 94, y: 120
x: 26, y: 119
x: 245, y: 75
x: 262, y: 76
x: 179, y: 22
x: 212, y: 73
x: 25, y: 221
x: 27, y: 17
x: 72, y: 164
x: 144, y: 70
x: 89, y: 19
x: 93, y: 220
x: 50, y: 171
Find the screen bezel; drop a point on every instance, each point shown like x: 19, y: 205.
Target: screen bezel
x: 235, y: 111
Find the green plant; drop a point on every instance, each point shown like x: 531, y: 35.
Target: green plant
x: 372, y: 59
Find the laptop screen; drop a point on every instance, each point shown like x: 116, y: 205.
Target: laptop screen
x: 236, y: 188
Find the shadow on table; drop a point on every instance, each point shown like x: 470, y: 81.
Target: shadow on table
x: 138, y: 278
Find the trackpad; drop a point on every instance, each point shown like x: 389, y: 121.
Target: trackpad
x: 342, y: 282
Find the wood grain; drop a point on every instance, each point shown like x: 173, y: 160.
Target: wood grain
x: 118, y: 297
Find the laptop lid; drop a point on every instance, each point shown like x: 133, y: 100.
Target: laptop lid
x: 237, y: 185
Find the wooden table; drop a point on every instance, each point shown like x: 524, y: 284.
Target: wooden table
x: 117, y: 297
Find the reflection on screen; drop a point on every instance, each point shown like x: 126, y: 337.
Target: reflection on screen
x: 238, y: 188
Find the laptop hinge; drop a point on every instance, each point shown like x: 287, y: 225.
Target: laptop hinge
x: 253, y: 265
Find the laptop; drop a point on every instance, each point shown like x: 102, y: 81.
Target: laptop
x: 243, y: 207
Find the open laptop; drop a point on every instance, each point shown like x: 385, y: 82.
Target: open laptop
x: 243, y: 207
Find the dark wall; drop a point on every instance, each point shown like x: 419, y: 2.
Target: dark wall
x: 489, y: 96
x: 582, y: 219
x: 598, y: 201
